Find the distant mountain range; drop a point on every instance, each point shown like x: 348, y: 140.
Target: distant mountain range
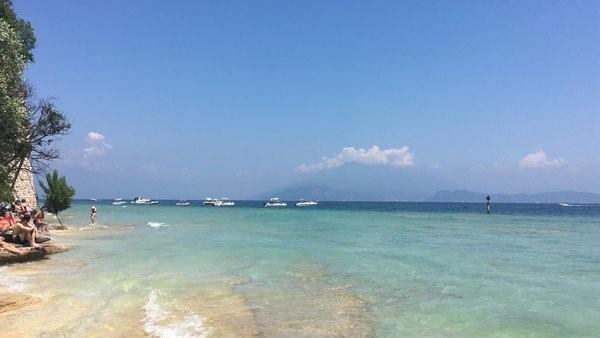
x: 326, y: 193
x: 544, y: 197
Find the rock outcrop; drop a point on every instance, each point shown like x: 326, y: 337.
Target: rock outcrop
x: 31, y: 254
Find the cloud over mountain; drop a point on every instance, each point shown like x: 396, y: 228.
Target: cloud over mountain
x: 397, y: 157
x: 539, y: 159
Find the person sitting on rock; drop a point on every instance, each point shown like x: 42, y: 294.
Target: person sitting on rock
x: 39, y: 220
x: 25, y: 232
x: 17, y: 207
x: 9, y: 247
x: 25, y: 208
x: 7, y: 220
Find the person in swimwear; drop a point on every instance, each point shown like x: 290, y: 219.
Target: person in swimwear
x: 93, y: 215
x: 25, y: 232
x: 7, y: 220
x: 39, y: 220
x: 9, y: 247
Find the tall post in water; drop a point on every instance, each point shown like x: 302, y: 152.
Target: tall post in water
x: 488, y: 204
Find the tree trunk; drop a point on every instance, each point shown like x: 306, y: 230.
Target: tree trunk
x: 59, y: 222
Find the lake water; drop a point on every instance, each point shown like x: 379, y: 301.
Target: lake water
x: 339, y: 269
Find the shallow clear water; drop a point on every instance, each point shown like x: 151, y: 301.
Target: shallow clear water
x: 350, y: 269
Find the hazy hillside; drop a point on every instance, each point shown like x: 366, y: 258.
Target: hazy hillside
x: 546, y: 197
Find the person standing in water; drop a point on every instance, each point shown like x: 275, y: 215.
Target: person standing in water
x: 488, y: 204
x: 93, y: 215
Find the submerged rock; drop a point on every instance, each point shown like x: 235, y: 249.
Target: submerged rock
x: 58, y: 227
x: 14, y: 301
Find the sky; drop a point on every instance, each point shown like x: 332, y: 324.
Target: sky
x: 189, y: 99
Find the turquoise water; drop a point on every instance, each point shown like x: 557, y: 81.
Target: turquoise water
x: 354, y: 269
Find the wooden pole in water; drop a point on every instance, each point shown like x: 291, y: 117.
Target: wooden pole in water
x: 488, y: 204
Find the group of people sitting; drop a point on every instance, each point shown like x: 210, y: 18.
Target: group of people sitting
x: 21, y: 224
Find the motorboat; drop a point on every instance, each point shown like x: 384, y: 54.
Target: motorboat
x: 183, y: 203
x: 218, y: 202
x: 303, y: 203
x: 274, y: 202
x: 119, y: 201
x: 141, y: 200
x: 211, y: 202
x: 226, y: 202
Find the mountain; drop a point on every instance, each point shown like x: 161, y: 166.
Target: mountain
x: 310, y: 192
x: 544, y: 197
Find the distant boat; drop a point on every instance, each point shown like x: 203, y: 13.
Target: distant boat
x: 274, y: 202
x: 119, y: 201
x: 226, y: 202
x: 218, y: 202
x: 143, y: 201
x: 183, y: 203
x: 564, y: 204
x: 94, y: 199
x: 303, y: 203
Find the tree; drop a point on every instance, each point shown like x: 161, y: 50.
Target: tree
x: 5, y: 189
x: 29, y: 126
x: 45, y: 123
x: 58, y: 194
x: 16, y: 42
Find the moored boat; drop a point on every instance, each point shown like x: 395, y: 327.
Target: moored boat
x: 274, y: 202
x: 218, y: 202
x: 119, y: 201
x: 303, y: 203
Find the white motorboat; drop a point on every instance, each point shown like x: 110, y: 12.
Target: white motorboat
x: 210, y: 202
x: 119, y: 201
x: 303, y: 203
x: 183, y: 203
x: 226, y: 202
x: 274, y: 202
x: 218, y: 202
x: 141, y: 200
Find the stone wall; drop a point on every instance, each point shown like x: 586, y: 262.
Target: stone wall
x: 25, y: 186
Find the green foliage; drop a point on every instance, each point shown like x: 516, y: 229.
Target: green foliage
x: 21, y: 27
x: 58, y: 194
x: 5, y: 186
x: 13, y: 60
x: 28, y: 127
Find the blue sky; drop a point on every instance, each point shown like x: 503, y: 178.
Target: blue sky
x: 196, y: 98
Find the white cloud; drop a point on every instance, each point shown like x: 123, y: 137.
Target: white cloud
x: 540, y: 160
x: 397, y: 157
x: 97, y: 146
x: 93, y: 136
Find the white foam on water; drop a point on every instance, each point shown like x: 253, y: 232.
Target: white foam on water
x: 94, y: 226
x: 190, y: 326
x: 11, y: 281
x: 157, y: 225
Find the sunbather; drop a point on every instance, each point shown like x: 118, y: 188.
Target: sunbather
x: 9, y: 247
x: 25, y: 232
x: 39, y: 220
x: 7, y: 220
